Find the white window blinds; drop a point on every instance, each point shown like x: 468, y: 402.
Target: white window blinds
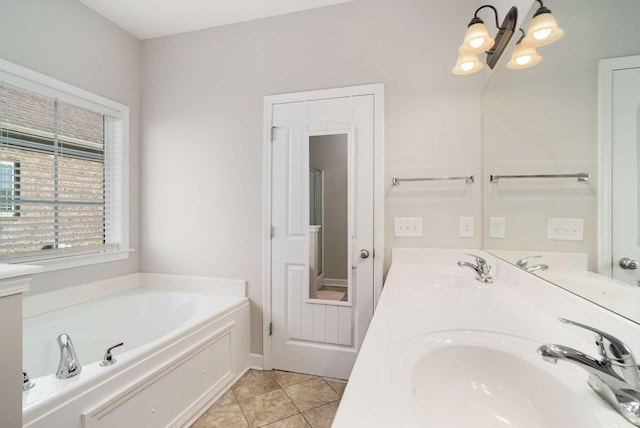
x: 57, y: 169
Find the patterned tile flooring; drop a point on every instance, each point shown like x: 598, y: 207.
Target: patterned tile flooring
x: 276, y: 399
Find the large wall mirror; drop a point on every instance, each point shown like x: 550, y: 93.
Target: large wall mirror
x: 542, y: 122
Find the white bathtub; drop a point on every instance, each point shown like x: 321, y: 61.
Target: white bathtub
x: 181, y: 349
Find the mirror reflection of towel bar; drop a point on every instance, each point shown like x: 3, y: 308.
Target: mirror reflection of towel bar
x: 581, y: 176
x: 466, y: 178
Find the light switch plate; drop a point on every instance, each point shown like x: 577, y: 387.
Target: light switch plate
x: 565, y: 229
x: 407, y: 226
x: 497, y: 227
x: 466, y: 227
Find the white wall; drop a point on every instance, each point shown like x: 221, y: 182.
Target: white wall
x: 67, y: 41
x: 203, y: 94
x: 202, y: 126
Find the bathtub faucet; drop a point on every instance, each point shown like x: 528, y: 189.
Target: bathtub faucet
x: 108, y: 359
x: 69, y: 365
x: 615, y: 376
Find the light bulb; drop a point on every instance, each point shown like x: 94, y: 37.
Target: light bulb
x: 466, y: 66
x: 467, y: 63
x: 477, y: 39
x: 523, y: 56
x: 477, y: 42
x: 543, y: 29
x: 523, y: 60
x: 542, y: 34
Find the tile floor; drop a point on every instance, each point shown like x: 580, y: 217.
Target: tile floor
x: 276, y: 399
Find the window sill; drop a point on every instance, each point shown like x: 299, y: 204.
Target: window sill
x: 67, y: 262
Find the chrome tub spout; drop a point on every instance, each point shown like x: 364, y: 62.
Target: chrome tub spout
x: 69, y: 365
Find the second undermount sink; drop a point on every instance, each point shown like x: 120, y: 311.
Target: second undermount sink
x: 463, y: 378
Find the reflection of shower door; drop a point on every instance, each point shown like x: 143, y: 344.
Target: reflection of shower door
x: 316, y: 214
x: 624, y: 168
x: 308, y: 335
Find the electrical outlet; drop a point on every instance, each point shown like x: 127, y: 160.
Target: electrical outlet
x: 497, y: 227
x: 466, y: 227
x: 407, y: 226
x: 565, y: 229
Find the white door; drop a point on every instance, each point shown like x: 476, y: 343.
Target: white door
x: 625, y: 179
x: 319, y: 321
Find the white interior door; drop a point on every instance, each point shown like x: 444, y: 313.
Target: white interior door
x: 625, y: 179
x: 312, y: 332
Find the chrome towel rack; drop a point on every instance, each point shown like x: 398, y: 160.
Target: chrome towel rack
x: 466, y: 178
x: 581, y: 176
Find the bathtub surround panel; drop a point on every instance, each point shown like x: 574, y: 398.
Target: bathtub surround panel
x: 69, y: 42
x: 209, y: 368
x: 193, y: 342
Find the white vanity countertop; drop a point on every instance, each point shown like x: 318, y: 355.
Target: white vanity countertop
x: 421, y: 298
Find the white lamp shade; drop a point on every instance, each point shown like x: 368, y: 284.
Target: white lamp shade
x: 523, y: 56
x: 468, y: 63
x: 543, y: 30
x: 477, y: 39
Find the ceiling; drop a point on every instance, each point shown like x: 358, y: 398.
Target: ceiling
x: 146, y: 19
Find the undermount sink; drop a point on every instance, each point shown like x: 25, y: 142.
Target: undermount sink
x: 465, y: 378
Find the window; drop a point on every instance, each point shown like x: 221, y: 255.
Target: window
x: 62, y: 172
x: 9, y: 188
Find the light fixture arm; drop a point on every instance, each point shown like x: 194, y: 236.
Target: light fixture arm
x: 542, y: 9
x: 521, y: 37
x: 477, y: 20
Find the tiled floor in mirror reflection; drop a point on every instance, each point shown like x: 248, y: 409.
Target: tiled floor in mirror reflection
x: 276, y: 399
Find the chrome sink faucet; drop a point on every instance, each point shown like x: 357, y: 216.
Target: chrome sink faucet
x: 481, y: 269
x: 615, y: 376
x: 524, y: 264
x: 69, y: 365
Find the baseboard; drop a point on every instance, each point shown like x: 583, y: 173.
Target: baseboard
x: 333, y: 282
x: 256, y: 361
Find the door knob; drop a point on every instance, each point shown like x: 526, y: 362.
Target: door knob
x: 627, y: 263
x: 364, y: 254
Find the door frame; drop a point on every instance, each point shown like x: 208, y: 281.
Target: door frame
x: 377, y: 90
x: 605, y: 146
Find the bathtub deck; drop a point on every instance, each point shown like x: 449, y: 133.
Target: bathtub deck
x: 275, y: 398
